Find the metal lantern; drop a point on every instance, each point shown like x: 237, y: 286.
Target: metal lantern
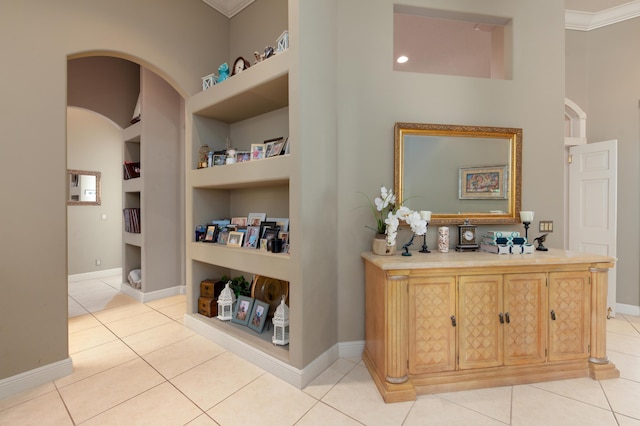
x: 225, y: 303
x: 281, y: 324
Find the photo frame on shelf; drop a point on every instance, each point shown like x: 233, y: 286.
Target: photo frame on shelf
x: 253, y: 237
x: 239, y: 221
x: 284, y: 236
x: 235, y: 239
x: 242, y: 310
x: 273, y: 147
x: 258, y: 316
x: 266, y: 224
x: 255, y: 219
x: 223, y: 236
x: 282, y: 222
x: 211, y: 234
x: 257, y: 151
x: 263, y: 244
x: 482, y: 182
x: 285, y: 148
x: 270, y: 234
x: 243, y: 156
x: 219, y: 159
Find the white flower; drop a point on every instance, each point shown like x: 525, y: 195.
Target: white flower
x: 392, y: 223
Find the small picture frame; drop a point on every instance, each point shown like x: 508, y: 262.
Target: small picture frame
x: 235, y: 239
x: 282, y: 222
x: 270, y: 234
x: 239, y: 221
x: 285, y: 149
x: 263, y: 244
x: 252, y: 237
x: 242, y: 310
x: 482, y: 183
x: 257, y: 151
x: 211, y: 234
x: 219, y: 159
x: 255, y: 219
x: 284, y: 236
x: 273, y: 147
x: 258, y: 315
x: 243, y: 156
x: 223, y: 236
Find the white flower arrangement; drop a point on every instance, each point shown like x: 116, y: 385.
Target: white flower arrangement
x: 385, y: 205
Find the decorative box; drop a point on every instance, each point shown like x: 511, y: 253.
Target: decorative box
x: 208, y: 306
x: 207, y: 288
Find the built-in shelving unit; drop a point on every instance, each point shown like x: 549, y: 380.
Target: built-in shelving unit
x: 154, y: 142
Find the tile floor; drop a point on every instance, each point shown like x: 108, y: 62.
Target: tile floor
x: 136, y: 364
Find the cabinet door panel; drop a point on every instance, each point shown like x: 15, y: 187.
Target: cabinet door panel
x: 525, y: 306
x: 432, y: 335
x: 569, y: 301
x: 480, y: 331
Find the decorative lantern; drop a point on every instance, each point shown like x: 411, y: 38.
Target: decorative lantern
x: 208, y: 81
x: 281, y: 324
x: 225, y: 303
x: 282, y: 42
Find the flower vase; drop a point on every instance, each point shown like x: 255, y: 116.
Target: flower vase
x: 380, y: 246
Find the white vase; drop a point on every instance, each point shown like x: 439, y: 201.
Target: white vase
x: 443, y: 239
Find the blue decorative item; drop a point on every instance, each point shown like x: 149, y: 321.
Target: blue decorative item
x: 223, y: 72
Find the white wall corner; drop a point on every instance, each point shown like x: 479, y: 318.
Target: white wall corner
x: 36, y: 377
x: 587, y: 21
x: 228, y: 7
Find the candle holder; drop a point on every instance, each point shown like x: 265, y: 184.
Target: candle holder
x: 407, y: 245
x: 425, y: 249
x: 526, y: 230
x: 526, y: 217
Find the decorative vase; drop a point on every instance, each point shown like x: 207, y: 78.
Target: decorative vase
x: 380, y: 246
x: 443, y: 239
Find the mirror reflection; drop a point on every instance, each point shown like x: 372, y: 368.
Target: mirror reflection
x: 459, y: 172
x: 83, y: 188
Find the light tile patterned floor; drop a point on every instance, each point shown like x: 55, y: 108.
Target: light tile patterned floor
x: 136, y: 364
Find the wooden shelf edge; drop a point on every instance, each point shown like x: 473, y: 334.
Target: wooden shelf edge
x: 132, y: 133
x: 267, y: 172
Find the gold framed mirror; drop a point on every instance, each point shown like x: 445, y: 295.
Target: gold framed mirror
x: 459, y: 172
x: 83, y: 188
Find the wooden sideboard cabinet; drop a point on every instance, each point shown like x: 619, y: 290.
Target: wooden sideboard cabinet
x: 441, y: 322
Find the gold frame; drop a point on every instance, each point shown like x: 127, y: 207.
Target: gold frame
x: 98, y: 176
x: 514, y: 191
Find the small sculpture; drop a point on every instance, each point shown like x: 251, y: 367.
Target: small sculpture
x: 540, y: 240
x: 258, y: 57
x: 223, y: 71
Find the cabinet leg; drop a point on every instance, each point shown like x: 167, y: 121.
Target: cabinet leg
x: 599, y: 365
x: 397, y: 329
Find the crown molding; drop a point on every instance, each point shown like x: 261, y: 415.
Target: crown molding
x: 228, y: 7
x: 587, y: 21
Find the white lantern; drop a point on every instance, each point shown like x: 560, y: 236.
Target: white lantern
x: 281, y: 324
x: 282, y: 42
x: 225, y: 303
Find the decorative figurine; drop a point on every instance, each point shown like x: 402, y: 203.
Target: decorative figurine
x: 223, y: 71
x: 258, y: 57
x: 540, y: 240
x: 240, y: 65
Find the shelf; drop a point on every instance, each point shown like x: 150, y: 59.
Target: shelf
x: 132, y: 185
x: 132, y: 238
x: 250, y: 174
x: 262, y: 88
x: 251, y: 260
x: 245, y: 335
x: 132, y: 133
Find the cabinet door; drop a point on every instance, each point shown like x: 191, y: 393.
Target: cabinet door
x: 480, y: 331
x: 568, y: 315
x: 432, y: 332
x: 525, y: 305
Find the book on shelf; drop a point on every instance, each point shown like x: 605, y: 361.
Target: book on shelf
x: 131, y: 170
x: 131, y: 220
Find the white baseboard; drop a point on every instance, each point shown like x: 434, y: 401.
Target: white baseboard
x: 93, y: 275
x: 621, y: 308
x: 351, y: 349
x: 294, y: 376
x: 143, y: 297
x: 36, y: 377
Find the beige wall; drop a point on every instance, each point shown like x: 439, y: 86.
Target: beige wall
x: 94, y: 143
x: 372, y: 98
x: 603, y: 79
x: 182, y: 41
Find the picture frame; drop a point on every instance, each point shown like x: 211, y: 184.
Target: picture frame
x: 255, y: 219
x: 284, y: 236
x: 489, y: 182
x: 223, y: 236
x: 239, y: 221
x: 257, y: 151
x: 266, y: 224
x: 263, y: 244
x: 282, y: 222
x: 243, y: 156
x: 253, y: 237
x: 273, y: 147
x: 270, y: 234
x: 258, y: 317
x: 219, y: 159
x: 242, y: 310
x: 211, y: 234
x: 285, y: 149
x: 235, y: 239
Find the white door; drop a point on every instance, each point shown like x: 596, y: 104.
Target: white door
x: 592, y: 203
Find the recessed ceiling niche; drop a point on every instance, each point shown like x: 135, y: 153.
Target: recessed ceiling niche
x: 452, y: 43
